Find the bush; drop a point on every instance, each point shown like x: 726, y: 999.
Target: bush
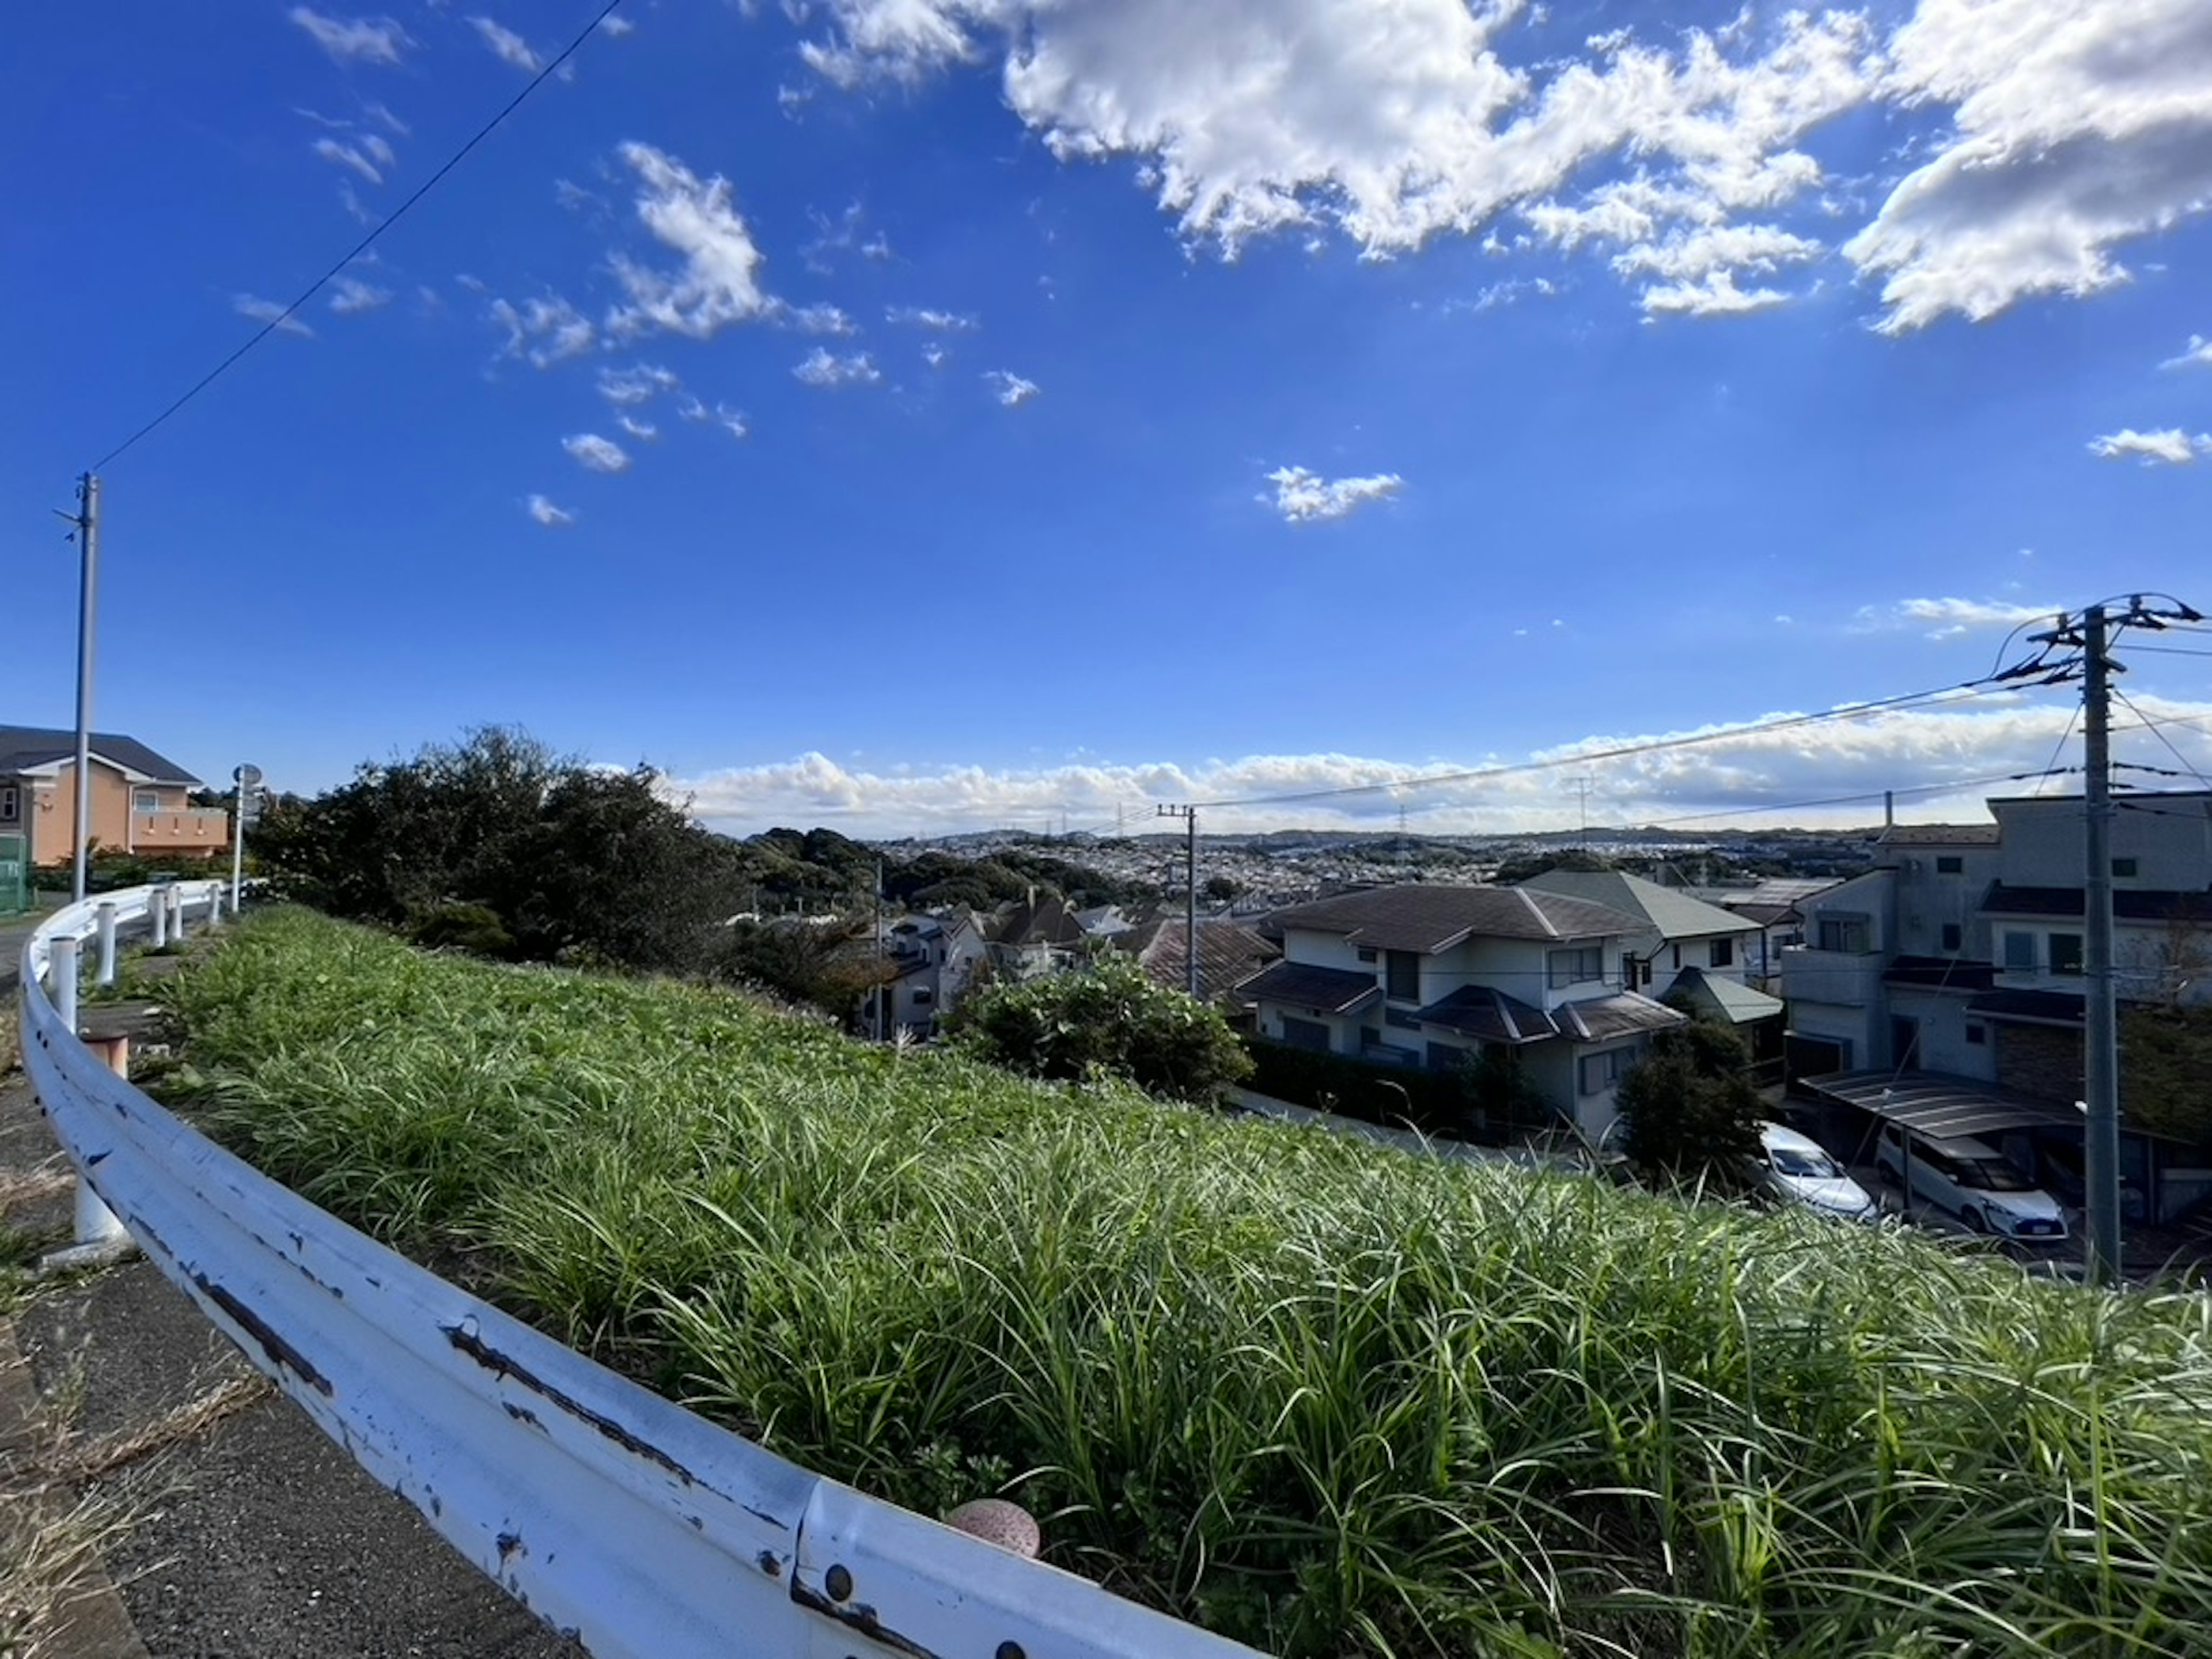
x: 475, y: 928
x: 1490, y: 1101
x: 1110, y: 1018
x: 1691, y: 1116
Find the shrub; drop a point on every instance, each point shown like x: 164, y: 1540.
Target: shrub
x: 1690, y: 1116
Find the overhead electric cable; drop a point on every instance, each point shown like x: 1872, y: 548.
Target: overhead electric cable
x: 364, y: 244
x: 2154, y: 731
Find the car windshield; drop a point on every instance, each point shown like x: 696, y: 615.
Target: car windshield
x: 1992, y: 1174
x: 1804, y: 1164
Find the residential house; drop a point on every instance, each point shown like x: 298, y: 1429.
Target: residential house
x: 1960, y: 955
x: 1774, y: 905
x: 1229, y: 953
x: 1433, y: 975
x: 1686, y: 949
x: 1036, y: 937
x: 935, y: 960
x: 140, y: 800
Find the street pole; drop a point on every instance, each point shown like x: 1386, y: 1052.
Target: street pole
x: 2100, y: 1031
x: 248, y: 780
x: 1190, y: 814
x: 883, y: 991
x: 88, y: 540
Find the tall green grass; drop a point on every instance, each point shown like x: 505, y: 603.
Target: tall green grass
x: 1329, y: 1399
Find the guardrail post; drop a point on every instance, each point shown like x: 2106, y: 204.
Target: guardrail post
x: 215, y: 904
x: 180, y: 922
x: 101, y: 1233
x: 158, y: 913
x: 61, y: 981
x: 107, y: 975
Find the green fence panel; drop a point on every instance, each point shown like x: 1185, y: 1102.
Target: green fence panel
x: 15, y: 874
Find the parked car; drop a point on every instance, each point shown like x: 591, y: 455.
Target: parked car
x: 1796, y: 1169
x: 1974, y: 1182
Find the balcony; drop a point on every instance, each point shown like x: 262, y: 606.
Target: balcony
x: 1851, y: 978
x: 181, y: 829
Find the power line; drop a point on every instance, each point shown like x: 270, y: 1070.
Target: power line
x: 2059, y: 748
x: 2171, y: 650
x: 362, y: 245
x: 2161, y: 736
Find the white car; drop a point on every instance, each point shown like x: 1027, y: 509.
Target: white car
x: 1797, y: 1169
x: 1975, y: 1182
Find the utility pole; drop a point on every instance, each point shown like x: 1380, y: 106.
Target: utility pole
x: 88, y: 543
x: 1190, y: 814
x: 883, y: 991
x: 1581, y: 789
x: 2101, y: 1029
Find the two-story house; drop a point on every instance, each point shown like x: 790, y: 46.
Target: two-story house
x: 1423, y: 974
x: 934, y: 959
x: 140, y: 800
x: 1035, y: 937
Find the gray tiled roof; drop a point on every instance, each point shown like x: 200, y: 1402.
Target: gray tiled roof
x: 1227, y: 953
x: 24, y: 746
x: 1302, y: 985
x: 1625, y: 1013
x: 1477, y: 1010
x: 1673, y: 914
x: 1425, y: 916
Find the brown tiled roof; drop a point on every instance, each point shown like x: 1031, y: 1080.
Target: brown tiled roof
x: 1302, y: 985
x: 1227, y: 953
x: 1424, y: 916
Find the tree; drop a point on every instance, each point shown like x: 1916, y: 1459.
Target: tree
x: 1222, y: 889
x: 1690, y: 1115
x: 1110, y: 1017
x: 827, y: 964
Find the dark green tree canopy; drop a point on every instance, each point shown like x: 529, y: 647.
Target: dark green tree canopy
x: 1690, y: 1116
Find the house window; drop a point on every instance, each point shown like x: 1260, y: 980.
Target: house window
x: 11, y: 802
x: 2123, y: 866
x: 1366, y: 954
x: 1845, y: 934
x: 2020, y: 953
x: 2066, y: 953
x: 145, y: 800
x: 923, y: 999
x: 1721, y: 953
x: 1401, y: 975
x: 1950, y: 864
x: 1978, y: 1035
x: 1574, y: 967
x: 1305, y: 1034
x: 1601, y: 1070
x: 1953, y: 936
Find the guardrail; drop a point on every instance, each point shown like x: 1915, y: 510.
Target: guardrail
x: 615, y: 1517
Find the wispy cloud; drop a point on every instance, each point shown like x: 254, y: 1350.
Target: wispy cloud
x: 2172, y: 446
x: 599, y: 454
x: 719, y: 280
x: 1947, y: 618
x: 640, y: 383
x: 350, y: 295
x: 1009, y: 388
x: 268, y: 311
x: 368, y: 158
x: 820, y: 319
x: 616, y: 24
x: 943, y: 322
x: 1714, y: 295
x: 731, y: 420
x: 552, y: 517
x: 847, y: 232
x: 644, y: 431
x: 2197, y: 353
x: 546, y: 331
x: 820, y: 368
x: 507, y: 46
x: 354, y: 39
x: 1304, y: 496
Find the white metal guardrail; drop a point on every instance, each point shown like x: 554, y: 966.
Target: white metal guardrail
x: 613, y: 1515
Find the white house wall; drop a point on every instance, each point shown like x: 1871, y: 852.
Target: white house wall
x: 2043, y: 839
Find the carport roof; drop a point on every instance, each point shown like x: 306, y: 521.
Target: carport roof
x: 1940, y: 1106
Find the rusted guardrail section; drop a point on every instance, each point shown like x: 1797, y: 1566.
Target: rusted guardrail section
x: 610, y: 1513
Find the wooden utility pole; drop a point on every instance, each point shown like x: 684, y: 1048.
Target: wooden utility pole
x: 1190, y: 814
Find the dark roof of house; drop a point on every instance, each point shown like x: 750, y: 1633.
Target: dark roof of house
x: 1940, y: 974
x: 1734, y: 1002
x: 2128, y: 903
x: 1302, y: 985
x: 22, y: 747
x: 1939, y: 834
x: 1039, y: 922
x: 1625, y: 1013
x: 1227, y: 953
x: 1477, y: 1010
x: 1672, y: 912
x: 2030, y: 1007
x: 1423, y: 916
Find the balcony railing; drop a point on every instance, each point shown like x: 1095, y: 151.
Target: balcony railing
x: 181, y: 827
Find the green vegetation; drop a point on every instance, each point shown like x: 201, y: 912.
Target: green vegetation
x: 1110, y: 1020
x: 1689, y: 1113
x: 1335, y: 1399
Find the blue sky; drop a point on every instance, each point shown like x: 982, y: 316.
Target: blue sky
x: 912, y: 415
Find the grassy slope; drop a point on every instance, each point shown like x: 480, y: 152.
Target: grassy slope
x: 1326, y: 1397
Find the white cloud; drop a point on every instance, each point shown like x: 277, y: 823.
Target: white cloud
x: 731, y: 420
x: 2196, y: 354
x: 1009, y: 389
x: 547, y: 331
x: 1303, y: 497
x: 640, y: 383
x: 616, y: 24
x: 546, y: 513
x: 820, y: 319
x: 1961, y: 614
x: 597, y: 454
x: 509, y: 46
x: 1939, y: 753
x: 268, y: 311
x: 345, y: 156
x: 350, y: 295
x: 645, y: 431
x: 354, y: 40
x: 2074, y: 128
x: 819, y: 368
x: 934, y: 355
x: 384, y: 118
x: 2174, y: 447
x: 719, y: 282
x: 943, y: 322
x: 1716, y: 295
x: 841, y: 234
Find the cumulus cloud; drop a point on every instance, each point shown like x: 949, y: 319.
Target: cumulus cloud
x: 819, y: 319
x: 1009, y: 389
x: 718, y: 282
x: 1716, y: 295
x: 599, y: 454
x: 616, y: 24
x: 507, y: 46
x: 350, y: 295
x: 2197, y: 353
x: 1969, y: 613
x: 2074, y: 129
x: 1304, y: 496
x: 552, y: 517
x: 1949, y: 757
x: 354, y: 39
x: 640, y: 383
x: 2172, y: 446
x: 546, y: 331
x: 269, y: 311
x: 820, y: 368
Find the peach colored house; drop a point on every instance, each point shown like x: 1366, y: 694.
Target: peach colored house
x: 141, y: 800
